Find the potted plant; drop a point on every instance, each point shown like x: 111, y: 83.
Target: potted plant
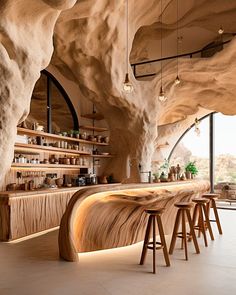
x: 76, y: 133
x: 191, y: 169
x: 71, y: 133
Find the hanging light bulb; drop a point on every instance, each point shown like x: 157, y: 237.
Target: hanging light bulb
x: 127, y: 85
x: 220, y: 31
x: 196, y: 124
x: 177, y: 80
x: 161, y: 96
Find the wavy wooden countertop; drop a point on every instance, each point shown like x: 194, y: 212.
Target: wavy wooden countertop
x: 112, y: 216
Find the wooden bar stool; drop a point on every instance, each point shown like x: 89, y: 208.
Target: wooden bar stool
x: 212, y: 204
x: 155, y: 216
x: 183, y: 211
x: 203, y: 222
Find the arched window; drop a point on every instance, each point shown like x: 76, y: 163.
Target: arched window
x: 192, y: 147
x: 51, y: 107
x: 214, y: 150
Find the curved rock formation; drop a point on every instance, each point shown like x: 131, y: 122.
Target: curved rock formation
x: 90, y: 49
x: 26, y: 30
x: 109, y: 217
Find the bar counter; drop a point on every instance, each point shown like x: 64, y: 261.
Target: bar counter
x: 27, y: 212
x: 112, y: 216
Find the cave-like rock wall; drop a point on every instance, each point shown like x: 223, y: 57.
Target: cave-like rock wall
x: 90, y: 50
x: 26, y: 47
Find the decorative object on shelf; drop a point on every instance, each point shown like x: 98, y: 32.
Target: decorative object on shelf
x: 221, y: 30
x: 191, y: 170
x: 156, y: 177
x: 127, y: 85
x: 177, y: 79
x: 162, y: 97
x: 196, y: 127
x: 11, y: 187
x: 59, y: 182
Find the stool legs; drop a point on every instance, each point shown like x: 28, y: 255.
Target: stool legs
x: 154, y: 244
x: 153, y: 221
x: 192, y: 232
x: 199, y: 210
x: 146, y: 240
x: 174, y: 235
x: 212, y: 204
x: 183, y: 235
x: 163, y: 240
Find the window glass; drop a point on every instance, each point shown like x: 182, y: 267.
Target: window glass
x: 193, y: 147
x: 38, y: 106
x: 62, y: 119
x: 225, y: 148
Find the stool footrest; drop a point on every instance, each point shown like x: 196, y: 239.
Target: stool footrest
x: 152, y: 246
x: 181, y: 235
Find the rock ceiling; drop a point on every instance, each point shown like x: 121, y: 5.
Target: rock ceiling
x: 89, y: 49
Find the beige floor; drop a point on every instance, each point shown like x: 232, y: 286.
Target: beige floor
x: 32, y: 267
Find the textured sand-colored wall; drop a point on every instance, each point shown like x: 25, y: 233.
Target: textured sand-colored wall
x: 26, y: 30
x: 90, y: 50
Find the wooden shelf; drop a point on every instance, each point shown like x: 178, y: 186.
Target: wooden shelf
x: 49, y: 166
x: 103, y: 156
x: 93, y: 116
x: 92, y: 128
x: 52, y: 150
x: 55, y: 136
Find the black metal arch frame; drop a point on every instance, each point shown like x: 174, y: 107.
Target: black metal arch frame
x: 211, y: 145
x: 52, y: 79
x: 189, y: 54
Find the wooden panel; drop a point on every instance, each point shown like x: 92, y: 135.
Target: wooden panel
x: 36, y: 213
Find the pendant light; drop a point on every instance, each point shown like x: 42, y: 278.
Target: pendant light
x: 177, y: 79
x: 220, y: 31
x: 196, y: 127
x: 127, y: 85
x: 161, y: 96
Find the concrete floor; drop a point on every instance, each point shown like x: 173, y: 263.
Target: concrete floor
x: 32, y: 267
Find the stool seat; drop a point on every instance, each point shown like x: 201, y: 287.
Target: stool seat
x: 210, y: 196
x: 155, y: 211
x: 200, y: 201
x: 183, y: 205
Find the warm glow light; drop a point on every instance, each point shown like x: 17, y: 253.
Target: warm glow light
x: 162, y: 96
x: 177, y: 80
x: 221, y: 31
x: 127, y: 85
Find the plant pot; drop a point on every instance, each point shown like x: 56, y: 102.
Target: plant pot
x: 188, y: 175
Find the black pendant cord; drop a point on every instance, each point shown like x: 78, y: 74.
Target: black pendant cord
x: 161, y: 42
x: 127, y: 35
x: 177, y: 35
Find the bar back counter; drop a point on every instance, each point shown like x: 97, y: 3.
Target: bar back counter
x: 112, y: 216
